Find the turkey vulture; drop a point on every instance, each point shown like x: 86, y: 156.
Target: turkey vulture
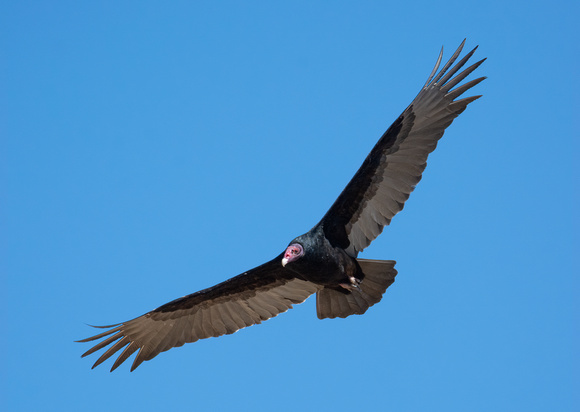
x: 324, y: 260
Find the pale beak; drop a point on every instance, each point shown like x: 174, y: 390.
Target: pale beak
x: 284, y: 261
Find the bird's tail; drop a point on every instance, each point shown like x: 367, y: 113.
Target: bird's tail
x: 378, y: 276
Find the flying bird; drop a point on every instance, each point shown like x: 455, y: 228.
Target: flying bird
x: 323, y: 260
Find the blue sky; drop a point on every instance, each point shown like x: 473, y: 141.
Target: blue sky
x: 150, y: 150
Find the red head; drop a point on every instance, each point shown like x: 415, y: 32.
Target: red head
x: 292, y: 253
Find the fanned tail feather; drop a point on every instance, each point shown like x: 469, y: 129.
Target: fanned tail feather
x: 379, y: 275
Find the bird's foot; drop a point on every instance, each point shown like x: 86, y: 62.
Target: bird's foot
x: 354, y: 283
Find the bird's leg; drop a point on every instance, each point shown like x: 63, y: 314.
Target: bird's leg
x: 354, y: 283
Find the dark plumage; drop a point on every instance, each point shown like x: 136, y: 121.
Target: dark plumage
x: 324, y: 260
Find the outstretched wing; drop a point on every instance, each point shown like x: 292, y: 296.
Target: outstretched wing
x: 379, y: 189
x: 247, y: 299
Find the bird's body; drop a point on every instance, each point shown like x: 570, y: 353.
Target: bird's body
x: 325, y: 259
x: 325, y: 264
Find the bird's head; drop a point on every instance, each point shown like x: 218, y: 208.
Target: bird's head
x: 293, y: 252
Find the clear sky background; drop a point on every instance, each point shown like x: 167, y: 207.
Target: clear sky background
x: 152, y: 149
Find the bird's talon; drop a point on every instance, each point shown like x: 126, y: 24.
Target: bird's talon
x: 352, y: 285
